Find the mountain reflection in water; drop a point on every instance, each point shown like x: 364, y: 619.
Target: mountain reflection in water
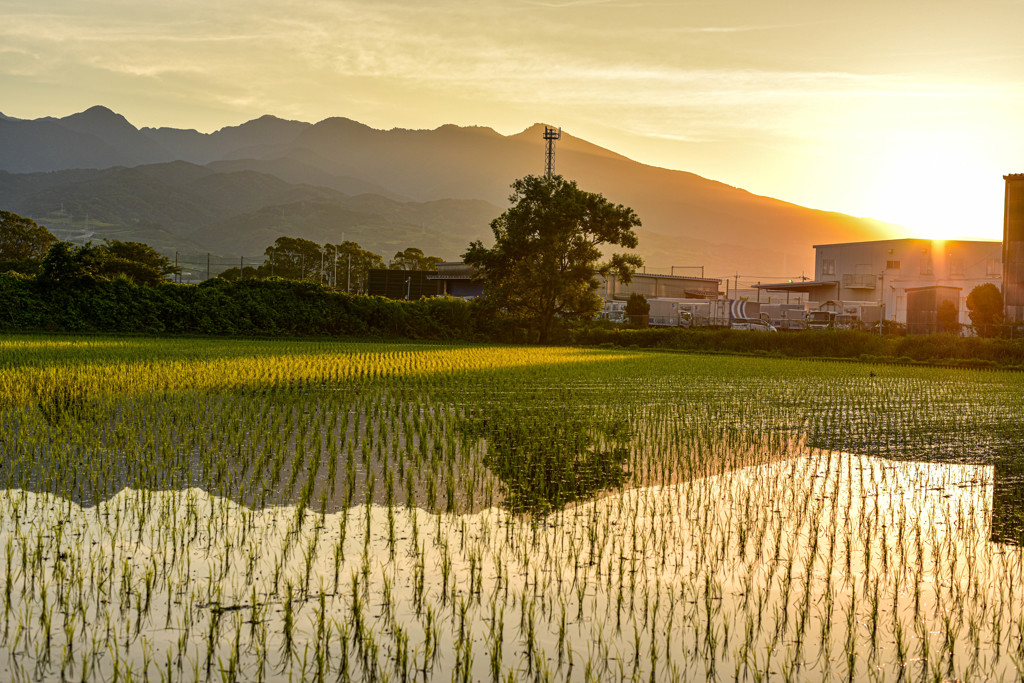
x: 826, y: 565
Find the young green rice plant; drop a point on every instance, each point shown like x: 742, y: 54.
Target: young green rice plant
x: 731, y: 483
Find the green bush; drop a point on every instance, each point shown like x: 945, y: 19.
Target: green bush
x: 218, y: 307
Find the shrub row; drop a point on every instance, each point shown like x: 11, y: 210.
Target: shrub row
x: 302, y: 309
x: 853, y: 344
x: 219, y: 307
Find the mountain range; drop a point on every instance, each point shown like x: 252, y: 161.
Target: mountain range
x: 93, y: 175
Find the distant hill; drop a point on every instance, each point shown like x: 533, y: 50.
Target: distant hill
x: 238, y: 188
x: 179, y: 206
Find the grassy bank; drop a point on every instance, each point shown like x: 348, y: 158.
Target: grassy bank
x: 936, y: 349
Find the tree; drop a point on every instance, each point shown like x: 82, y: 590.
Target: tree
x: 62, y: 265
x: 985, y: 309
x: 354, y: 264
x: 139, y: 262
x: 294, y: 258
x: 414, y: 259
x: 637, y: 309
x: 23, y: 242
x: 65, y: 263
x: 246, y: 273
x: 947, y: 319
x: 547, y: 252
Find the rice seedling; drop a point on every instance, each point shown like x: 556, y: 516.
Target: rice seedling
x: 325, y: 510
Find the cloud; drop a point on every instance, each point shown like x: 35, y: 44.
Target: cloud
x: 590, y: 3
x: 497, y: 55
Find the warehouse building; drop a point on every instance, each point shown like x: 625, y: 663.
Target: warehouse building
x: 452, y: 278
x: 887, y: 279
x: 656, y: 286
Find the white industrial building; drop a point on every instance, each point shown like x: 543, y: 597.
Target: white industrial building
x: 870, y: 281
x: 661, y: 286
x: 668, y: 295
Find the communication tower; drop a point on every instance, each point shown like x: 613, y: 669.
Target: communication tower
x: 550, y: 135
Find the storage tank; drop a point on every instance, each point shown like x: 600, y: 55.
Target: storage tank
x: 1013, y: 248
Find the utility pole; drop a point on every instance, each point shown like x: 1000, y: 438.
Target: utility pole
x: 177, y: 272
x: 348, y: 283
x: 207, y: 265
x: 881, y: 297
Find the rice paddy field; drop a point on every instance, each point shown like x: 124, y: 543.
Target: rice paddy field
x: 211, y: 510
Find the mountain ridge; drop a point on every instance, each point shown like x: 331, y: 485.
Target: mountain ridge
x: 685, y: 216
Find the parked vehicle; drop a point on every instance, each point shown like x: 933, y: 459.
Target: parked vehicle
x: 725, y: 311
x: 754, y: 324
x: 785, y: 316
x: 820, y: 320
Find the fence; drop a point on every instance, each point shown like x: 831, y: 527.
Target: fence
x: 196, y: 268
x: 339, y: 273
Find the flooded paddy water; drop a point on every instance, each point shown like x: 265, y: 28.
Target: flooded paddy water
x: 360, y: 512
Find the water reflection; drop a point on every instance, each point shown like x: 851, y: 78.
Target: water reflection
x: 825, y: 566
x: 1008, y: 498
x: 548, y: 459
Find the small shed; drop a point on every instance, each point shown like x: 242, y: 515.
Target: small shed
x: 923, y: 304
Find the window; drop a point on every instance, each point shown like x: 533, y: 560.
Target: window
x: 926, y: 265
x: 956, y: 265
x: 828, y: 266
x: 892, y: 265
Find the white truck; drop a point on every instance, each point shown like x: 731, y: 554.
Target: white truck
x: 738, y: 315
x: 725, y: 311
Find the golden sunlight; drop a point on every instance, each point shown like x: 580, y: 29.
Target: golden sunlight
x: 939, y: 188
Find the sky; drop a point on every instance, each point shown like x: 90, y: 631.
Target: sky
x: 901, y: 110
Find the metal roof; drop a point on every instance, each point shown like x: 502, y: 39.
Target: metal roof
x: 679, y: 277
x: 798, y: 285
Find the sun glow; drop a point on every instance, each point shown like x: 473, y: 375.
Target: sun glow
x: 938, y: 188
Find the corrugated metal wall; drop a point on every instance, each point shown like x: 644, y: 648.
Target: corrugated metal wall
x: 1013, y: 247
x: 394, y: 284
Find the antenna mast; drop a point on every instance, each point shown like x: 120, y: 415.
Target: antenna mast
x: 550, y: 135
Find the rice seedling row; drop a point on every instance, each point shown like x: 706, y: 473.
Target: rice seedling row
x: 225, y: 510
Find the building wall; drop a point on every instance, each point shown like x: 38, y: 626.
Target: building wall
x: 655, y: 286
x: 463, y: 288
x: 881, y: 272
x: 1013, y: 247
x: 397, y: 284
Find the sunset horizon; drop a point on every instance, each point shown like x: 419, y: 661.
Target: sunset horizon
x: 904, y: 115
x: 514, y: 340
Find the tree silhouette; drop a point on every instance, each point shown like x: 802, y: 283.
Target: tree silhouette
x: 985, y: 309
x: 547, y: 252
